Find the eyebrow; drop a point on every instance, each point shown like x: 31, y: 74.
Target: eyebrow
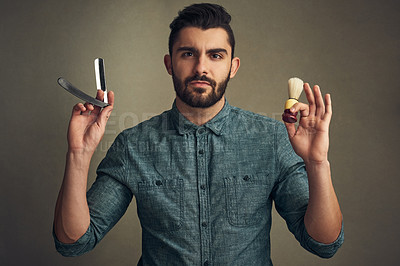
x: 217, y: 50
x: 194, y: 50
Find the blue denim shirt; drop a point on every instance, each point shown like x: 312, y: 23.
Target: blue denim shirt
x: 204, y: 193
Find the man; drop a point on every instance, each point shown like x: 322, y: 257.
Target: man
x: 204, y: 174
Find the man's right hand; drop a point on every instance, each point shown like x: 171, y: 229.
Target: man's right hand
x: 87, y: 125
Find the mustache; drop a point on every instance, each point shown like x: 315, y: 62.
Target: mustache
x: 212, y: 82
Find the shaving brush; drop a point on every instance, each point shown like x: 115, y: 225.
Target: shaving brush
x: 295, y: 88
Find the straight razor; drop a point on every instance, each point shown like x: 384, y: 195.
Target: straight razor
x: 100, y: 76
x: 80, y: 94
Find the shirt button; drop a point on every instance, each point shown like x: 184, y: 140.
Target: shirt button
x: 158, y: 183
x: 205, y: 263
x: 201, y: 130
x: 203, y: 187
x: 204, y: 224
x: 246, y: 178
x: 201, y: 151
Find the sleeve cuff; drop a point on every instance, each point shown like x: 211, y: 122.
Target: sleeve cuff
x: 325, y: 250
x: 81, y: 246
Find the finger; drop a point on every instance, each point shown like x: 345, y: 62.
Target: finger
x: 303, y: 108
x: 110, y: 96
x: 89, y: 106
x: 99, y: 96
x: 328, y: 107
x: 88, y: 109
x: 78, y: 109
x: 320, y: 111
x: 310, y: 98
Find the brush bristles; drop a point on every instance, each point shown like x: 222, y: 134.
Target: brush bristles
x: 295, y: 88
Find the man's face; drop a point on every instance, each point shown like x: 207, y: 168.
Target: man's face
x: 201, y: 65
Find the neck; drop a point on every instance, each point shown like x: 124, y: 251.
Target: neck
x: 199, y: 116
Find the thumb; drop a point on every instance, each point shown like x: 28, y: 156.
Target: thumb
x: 104, y: 116
x: 291, y: 129
x: 106, y: 112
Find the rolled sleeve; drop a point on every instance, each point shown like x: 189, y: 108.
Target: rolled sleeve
x: 324, y: 250
x: 84, y: 244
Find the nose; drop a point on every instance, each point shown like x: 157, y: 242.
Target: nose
x: 201, y: 66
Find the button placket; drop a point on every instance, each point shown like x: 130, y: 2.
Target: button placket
x: 202, y: 172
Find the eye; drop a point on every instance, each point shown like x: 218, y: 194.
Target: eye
x: 216, y: 56
x: 187, y: 54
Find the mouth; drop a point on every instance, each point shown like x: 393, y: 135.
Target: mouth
x: 199, y: 83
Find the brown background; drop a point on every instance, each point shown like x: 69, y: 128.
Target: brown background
x: 349, y: 47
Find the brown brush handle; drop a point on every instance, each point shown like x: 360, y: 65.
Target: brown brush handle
x: 289, y: 117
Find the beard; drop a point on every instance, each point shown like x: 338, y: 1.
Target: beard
x: 195, y: 97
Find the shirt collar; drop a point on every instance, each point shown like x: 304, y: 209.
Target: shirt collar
x: 216, y: 124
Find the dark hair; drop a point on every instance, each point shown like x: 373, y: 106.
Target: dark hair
x: 204, y: 16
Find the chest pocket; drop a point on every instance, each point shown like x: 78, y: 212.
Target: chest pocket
x: 160, y: 204
x: 246, y: 199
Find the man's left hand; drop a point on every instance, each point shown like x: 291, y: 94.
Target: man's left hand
x: 310, y: 140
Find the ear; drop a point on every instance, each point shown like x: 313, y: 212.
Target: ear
x: 168, y: 63
x: 235, y: 66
